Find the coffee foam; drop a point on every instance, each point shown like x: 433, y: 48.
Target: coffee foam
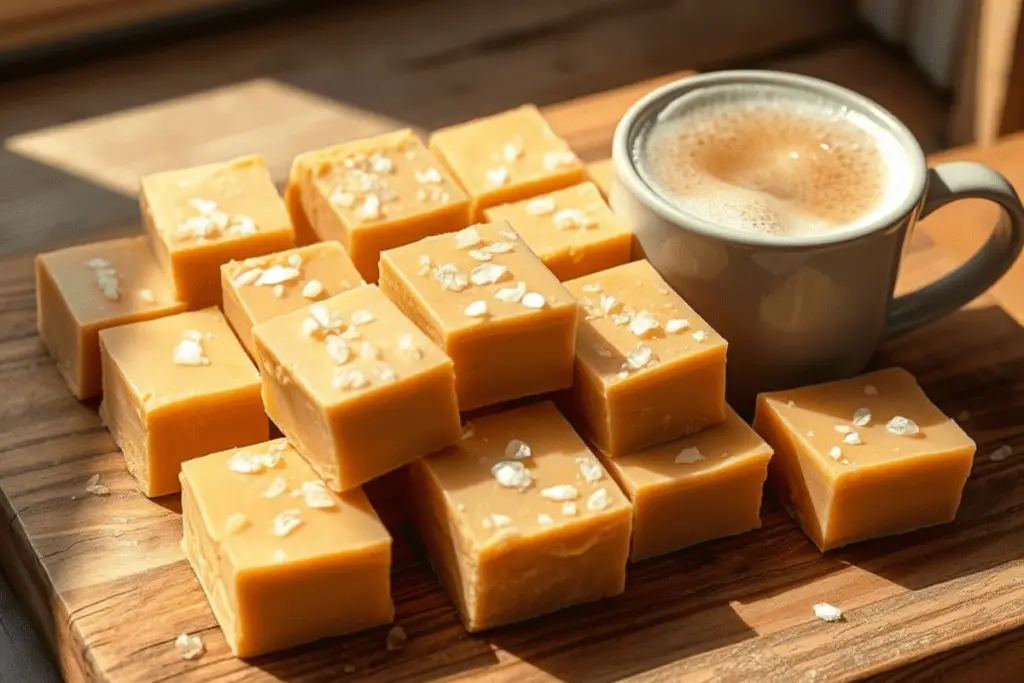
x: 775, y: 161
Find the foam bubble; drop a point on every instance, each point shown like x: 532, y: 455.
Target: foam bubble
x: 773, y: 160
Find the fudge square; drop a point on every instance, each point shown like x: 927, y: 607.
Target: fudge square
x: 177, y: 388
x: 864, y: 457
x: 506, y: 321
x: 506, y: 157
x: 264, y: 287
x: 694, y: 489
x: 282, y: 560
x: 648, y: 368
x: 356, y: 388
x: 572, y: 230
x: 202, y: 217
x: 520, y: 518
x: 378, y: 193
x: 82, y: 290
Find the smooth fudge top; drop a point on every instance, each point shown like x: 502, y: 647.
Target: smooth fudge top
x: 868, y: 420
x: 382, y: 179
x: 483, y: 273
x: 523, y: 472
x: 693, y: 456
x: 279, y: 283
x: 351, y: 343
x: 180, y: 357
x: 635, y: 322
x: 562, y: 221
x: 215, y: 202
x: 515, y: 146
x: 105, y: 280
x: 264, y: 505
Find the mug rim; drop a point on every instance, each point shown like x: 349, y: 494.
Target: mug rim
x: 657, y: 100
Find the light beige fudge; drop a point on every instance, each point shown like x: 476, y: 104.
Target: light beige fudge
x: 358, y: 390
x: 282, y: 560
x: 506, y: 157
x: 176, y: 388
x: 379, y: 193
x: 264, y: 287
x: 648, y: 368
x: 82, y: 290
x: 864, y: 457
x: 695, y: 488
x: 484, y: 297
x: 520, y: 518
x: 202, y: 217
x: 572, y: 230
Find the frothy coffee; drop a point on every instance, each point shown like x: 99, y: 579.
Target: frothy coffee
x: 773, y: 160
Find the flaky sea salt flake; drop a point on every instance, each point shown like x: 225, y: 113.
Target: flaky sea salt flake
x: 287, y: 522
x: 312, y: 289
x: 467, y: 238
x: 511, y: 474
x: 540, y: 206
x: 555, y: 160
x: 276, y: 488
x: 189, y: 647
x: 826, y: 612
x: 477, y: 309
x: 511, y: 295
x: 689, y: 456
x: 317, y: 496
x: 534, y: 300
x: 643, y: 324
x: 590, y: 470
x: 560, y: 493
x: 1001, y: 453
x: 676, y: 325
x: 516, y: 449
x: 902, y: 426
x: 487, y: 274
x: 276, y: 275
x: 861, y: 417
x: 598, y: 500
x: 94, y: 487
x: 496, y: 176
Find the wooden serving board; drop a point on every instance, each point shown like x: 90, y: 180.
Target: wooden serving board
x: 109, y: 589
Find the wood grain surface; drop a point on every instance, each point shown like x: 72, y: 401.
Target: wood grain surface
x: 105, y: 580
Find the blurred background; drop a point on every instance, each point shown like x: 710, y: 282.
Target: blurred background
x: 97, y: 92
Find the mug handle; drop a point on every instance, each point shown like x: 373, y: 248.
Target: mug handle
x: 948, y: 183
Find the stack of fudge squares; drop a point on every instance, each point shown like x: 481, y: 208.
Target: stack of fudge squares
x: 556, y: 409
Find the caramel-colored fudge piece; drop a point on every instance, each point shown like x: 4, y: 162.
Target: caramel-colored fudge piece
x: 601, y: 173
x: 491, y: 304
x: 506, y: 157
x: 694, y: 489
x: 82, y: 290
x: 379, y: 193
x: 356, y: 387
x: 572, y: 230
x: 264, y: 287
x: 199, y: 218
x: 520, y: 518
x: 177, y: 388
x: 282, y: 559
x: 864, y: 457
x: 648, y: 368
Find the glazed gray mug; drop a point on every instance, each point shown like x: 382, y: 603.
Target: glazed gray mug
x: 798, y: 310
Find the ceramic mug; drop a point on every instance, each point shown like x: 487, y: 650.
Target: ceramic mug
x: 798, y: 310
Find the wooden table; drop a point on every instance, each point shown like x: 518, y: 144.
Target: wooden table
x: 108, y: 588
